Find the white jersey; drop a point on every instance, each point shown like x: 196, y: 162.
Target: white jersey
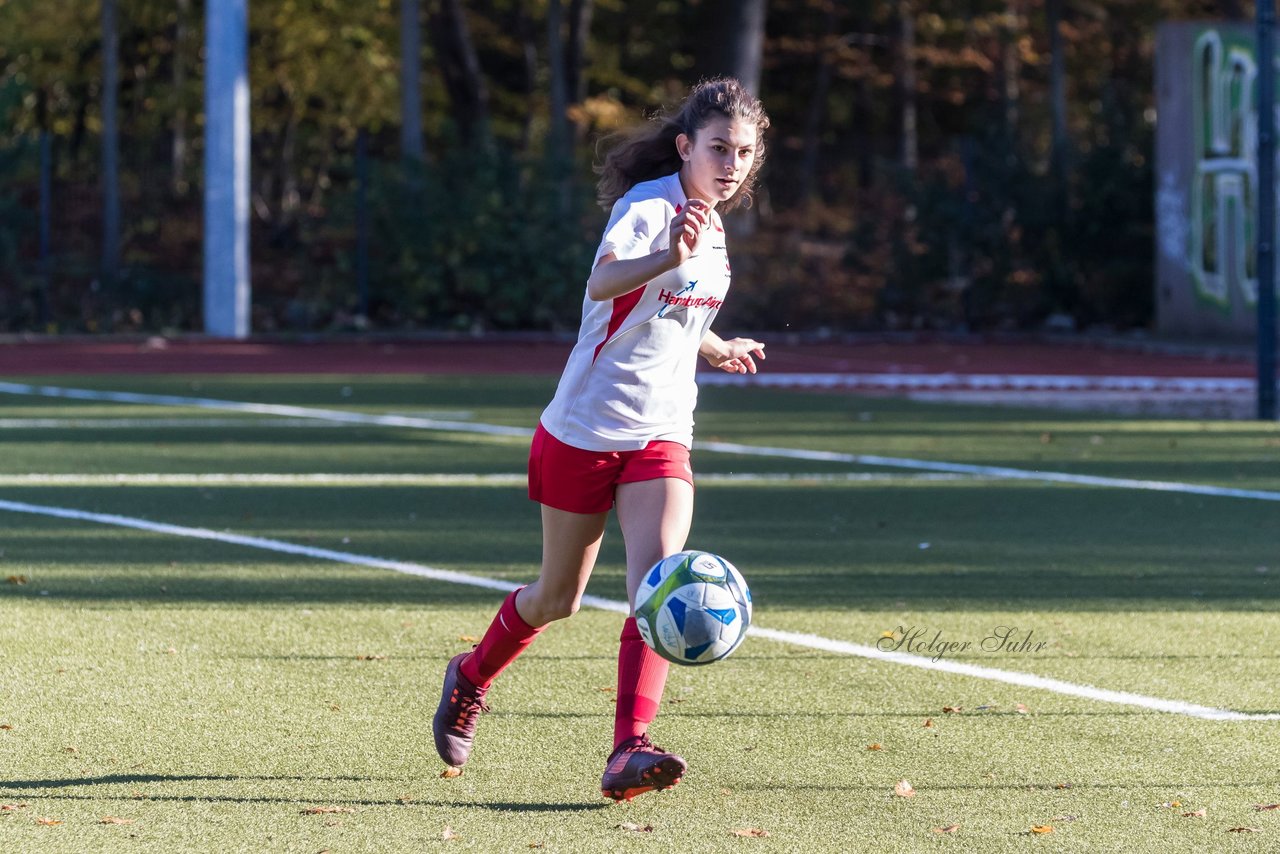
x: 630, y: 377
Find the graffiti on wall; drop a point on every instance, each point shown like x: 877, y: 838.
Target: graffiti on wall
x: 1221, y: 231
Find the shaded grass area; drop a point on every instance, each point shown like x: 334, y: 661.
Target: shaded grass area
x: 977, y: 544
x: 1225, y: 453
x: 211, y: 693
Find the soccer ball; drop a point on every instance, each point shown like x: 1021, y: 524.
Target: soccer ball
x: 693, y: 608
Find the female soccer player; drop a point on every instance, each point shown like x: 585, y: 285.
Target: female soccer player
x: 618, y: 431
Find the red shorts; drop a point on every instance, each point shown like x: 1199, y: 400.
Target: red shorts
x: 569, y: 478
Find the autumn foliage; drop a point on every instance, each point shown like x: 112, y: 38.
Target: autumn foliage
x: 921, y: 173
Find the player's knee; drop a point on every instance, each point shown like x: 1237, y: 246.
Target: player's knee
x: 564, y: 607
x: 549, y: 607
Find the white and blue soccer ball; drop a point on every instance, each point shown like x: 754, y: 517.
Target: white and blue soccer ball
x: 693, y: 607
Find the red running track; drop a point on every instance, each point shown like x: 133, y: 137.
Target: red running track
x: 526, y: 355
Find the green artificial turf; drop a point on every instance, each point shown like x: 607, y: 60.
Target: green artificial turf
x: 212, y: 694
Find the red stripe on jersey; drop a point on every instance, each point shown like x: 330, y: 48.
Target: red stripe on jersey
x: 621, y: 308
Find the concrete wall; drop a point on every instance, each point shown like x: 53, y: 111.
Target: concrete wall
x: 1206, y: 179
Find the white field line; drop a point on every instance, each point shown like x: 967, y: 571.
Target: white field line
x: 345, y: 417
x: 1001, y: 472
x: 1009, y: 677
x: 461, y: 479
x: 154, y: 423
x: 337, y: 416
x: 249, y: 422
x: 987, y: 382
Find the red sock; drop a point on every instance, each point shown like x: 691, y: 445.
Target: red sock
x: 642, y: 674
x: 507, y: 637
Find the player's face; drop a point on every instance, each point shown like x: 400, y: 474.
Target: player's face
x: 717, y: 159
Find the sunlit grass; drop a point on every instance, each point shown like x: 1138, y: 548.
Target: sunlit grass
x: 211, y: 694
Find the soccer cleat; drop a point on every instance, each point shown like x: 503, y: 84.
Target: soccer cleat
x: 638, y: 766
x: 454, y: 725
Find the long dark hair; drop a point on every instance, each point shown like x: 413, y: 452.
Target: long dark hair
x: 649, y: 151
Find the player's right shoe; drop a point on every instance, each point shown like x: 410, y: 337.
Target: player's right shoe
x: 454, y: 725
x: 638, y: 766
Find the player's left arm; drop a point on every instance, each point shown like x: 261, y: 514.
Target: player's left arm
x: 737, y: 355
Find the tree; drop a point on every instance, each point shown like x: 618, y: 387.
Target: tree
x: 411, y: 146
x: 110, y: 142
x: 1057, y: 89
x: 909, y: 140
x: 460, y: 70
x: 178, y: 154
x: 558, y: 137
x: 575, y: 57
x: 738, y: 48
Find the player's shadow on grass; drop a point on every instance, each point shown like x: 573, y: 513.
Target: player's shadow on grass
x: 32, y: 789
x: 134, y: 779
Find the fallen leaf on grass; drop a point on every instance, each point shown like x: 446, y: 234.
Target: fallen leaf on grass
x: 48, y: 822
x: 1244, y: 830
x: 110, y: 819
x: 12, y: 807
x: 449, y: 833
x: 1171, y: 804
x: 405, y: 799
x: 17, y: 579
x: 1063, y: 786
x: 611, y: 690
x: 371, y: 658
x: 903, y: 789
x: 1042, y: 828
x: 1021, y: 709
x: 750, y: 833
x: 326, y: 810
x: 875, y: 746
x: 451, y: 772
x: 71, y: 750
x: 468, y: 639
x: 138, y: 796
x: 1200, y: 813
x: 928, y: 723
x: 6, y: 726
x: 634, y: 828
x: 1265, y: 807
x: 952, y: 710
x: 950, y: 828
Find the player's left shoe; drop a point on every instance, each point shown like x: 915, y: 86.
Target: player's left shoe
x: 638, y: 766
x: 454, y: 725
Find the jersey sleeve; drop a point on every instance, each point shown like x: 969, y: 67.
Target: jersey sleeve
x: 637, y: 227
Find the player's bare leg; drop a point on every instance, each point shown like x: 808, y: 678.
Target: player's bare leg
x: 570, y: 545
x: 571, y: 542
x: 655, y: 516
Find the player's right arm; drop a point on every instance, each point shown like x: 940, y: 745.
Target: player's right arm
x: 613, y: 277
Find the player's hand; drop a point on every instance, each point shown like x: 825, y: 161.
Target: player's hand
x: 737, y: 356
x: 687, y: 229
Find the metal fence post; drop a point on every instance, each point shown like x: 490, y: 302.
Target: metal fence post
x: 1266, y: 16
